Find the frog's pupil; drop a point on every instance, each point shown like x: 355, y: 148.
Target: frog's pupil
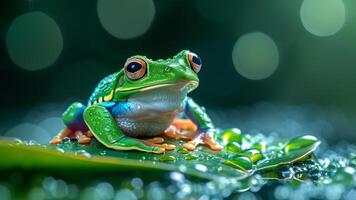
x: 196, y: 60
x: 133, y: 67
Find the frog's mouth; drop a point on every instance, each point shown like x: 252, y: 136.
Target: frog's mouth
x: 187, y: 86
x: 166, y: 97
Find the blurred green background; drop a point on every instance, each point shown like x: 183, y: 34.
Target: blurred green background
x: 276, y: 66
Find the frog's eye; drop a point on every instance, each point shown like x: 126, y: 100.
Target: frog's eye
x: 194, y: 61
x: 135, y: 68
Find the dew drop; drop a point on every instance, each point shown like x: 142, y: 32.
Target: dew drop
x: 242, y: 162
x: 301, y: 142
x: 190, y: 157
x: 232, y: 147
x: 167, y: 158
x: 183, y: 151
x: 231, y: 135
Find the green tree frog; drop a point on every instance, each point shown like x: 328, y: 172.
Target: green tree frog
x: 144, y: 99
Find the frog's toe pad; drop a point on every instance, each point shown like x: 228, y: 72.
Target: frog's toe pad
x: 84, y: 139
x: 191, y: 145
x: 169, y: 147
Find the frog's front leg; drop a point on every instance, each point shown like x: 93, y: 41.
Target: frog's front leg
x: 201, y: 134
x: 104, y: 127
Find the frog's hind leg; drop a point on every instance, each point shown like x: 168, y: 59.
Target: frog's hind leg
x: 105, y: 129
x: 75, y: 125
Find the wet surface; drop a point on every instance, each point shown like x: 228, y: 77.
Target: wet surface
x: 254, y: 164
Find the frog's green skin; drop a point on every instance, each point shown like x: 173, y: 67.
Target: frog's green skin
x: 121, y: 108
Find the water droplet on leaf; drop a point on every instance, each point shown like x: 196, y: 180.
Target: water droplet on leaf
x: 231, y: 135
x: 300, y: 143
x: 190, y: 157
x: 183, y: 151
x: 167, y: 158
x: 242, y: 162
x: 254, y: 154
x: 232, y: 147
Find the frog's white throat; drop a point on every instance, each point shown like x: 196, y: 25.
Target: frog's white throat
x: 152, y: 110
x: 161, y: 98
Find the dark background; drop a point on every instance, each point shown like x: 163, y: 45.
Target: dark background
x: 313, y: 86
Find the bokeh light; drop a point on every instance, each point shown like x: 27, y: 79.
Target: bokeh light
x: 29, y: 131
x: 34, y: 41
x: 322, y: 17
x: 255, y: 56
x: 126, y: 19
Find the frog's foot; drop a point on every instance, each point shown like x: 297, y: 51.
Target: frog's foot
x: 184, y: 124
x: 66, y: 132
x: 195, y: 138
x: 82, y: 138
x: 203, y: 138
x: 158, y: 142
x: 89, y: 134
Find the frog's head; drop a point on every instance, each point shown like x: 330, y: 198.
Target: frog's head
x: 142, y: 74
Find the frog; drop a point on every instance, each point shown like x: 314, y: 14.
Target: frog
x: 141, y: 105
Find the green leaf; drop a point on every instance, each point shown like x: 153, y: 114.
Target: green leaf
x: 70, y: 155
x: 296, y: 149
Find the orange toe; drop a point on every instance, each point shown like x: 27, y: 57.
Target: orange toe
x: 55, y: 140
x: 156, y: 140
x: 169, y: 147
x: 191, y: 145
x: 213, y: 145
x: 84, y: 139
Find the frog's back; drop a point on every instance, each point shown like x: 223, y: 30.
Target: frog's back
x: 105, y: 89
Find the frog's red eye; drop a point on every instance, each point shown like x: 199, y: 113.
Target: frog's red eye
x: 135, y: 68
x: 195, y: 62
